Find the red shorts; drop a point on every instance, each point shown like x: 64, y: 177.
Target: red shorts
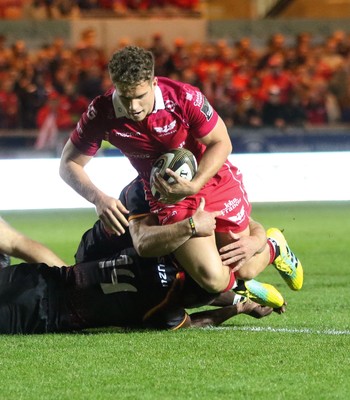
x: 224, y: 192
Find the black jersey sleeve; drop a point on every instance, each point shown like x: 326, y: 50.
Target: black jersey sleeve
x: 96, y: 243
x: 133, y: 198
x: 169, y: 313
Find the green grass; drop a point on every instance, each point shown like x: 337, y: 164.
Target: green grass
x: 303, y: 354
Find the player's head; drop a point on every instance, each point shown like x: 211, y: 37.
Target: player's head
x: 132, y: 72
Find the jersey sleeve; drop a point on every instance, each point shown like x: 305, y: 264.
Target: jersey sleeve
x: 170, y: 319
x: 199, y: 113
x: 169, y: 313
x: 89, y: 131
x: 133, y: 198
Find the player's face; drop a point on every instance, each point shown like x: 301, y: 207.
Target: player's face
x: 138, y: 101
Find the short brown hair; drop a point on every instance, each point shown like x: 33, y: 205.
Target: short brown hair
x: 131, y: 65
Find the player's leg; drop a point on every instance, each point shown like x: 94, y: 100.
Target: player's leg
x: 276, y: 252
x: 200, y: 258
x: 252, y: 267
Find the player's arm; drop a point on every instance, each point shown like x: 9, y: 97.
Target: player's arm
x: 153, y: 240
x: 218, y: 147
x: 110, y: 210
x: 216, y: 317
x: 16, y: 244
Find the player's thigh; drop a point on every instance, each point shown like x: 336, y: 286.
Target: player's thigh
x: 252, y: 267
x: 224, y: 238
x: 200, y: 258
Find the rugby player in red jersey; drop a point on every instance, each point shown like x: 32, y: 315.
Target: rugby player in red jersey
x: 144, y: 116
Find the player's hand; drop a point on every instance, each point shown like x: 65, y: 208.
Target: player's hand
x: 112, y: 213
x: 282, y: 309
x: 171, y: 193
x: 239, y: 251
x: 253, y: 309
x: 204, y: 221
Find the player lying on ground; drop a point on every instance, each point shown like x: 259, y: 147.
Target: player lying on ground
x: 125, y: 290
x: 16, y: 244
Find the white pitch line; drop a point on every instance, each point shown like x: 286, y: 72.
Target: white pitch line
x: 283, y: 330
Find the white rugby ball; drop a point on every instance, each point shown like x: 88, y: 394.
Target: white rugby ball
x: 181, y: 161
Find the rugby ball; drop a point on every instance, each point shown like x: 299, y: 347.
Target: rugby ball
x: 181, y: 161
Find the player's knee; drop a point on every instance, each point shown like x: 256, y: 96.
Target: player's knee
x: 214, y: 283
x: 245, y: 274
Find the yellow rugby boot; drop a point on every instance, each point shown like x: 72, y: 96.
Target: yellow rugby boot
x: 262, y: 293
x: 286, y: 262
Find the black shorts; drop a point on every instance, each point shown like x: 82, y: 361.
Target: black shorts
x: 32, y: 300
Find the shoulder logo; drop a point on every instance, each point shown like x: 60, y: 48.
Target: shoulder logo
x: 91, y: 111
x: 207, y: 109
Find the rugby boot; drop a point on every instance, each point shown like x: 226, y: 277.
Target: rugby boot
x: 262, y: 293
x: 286, y: 262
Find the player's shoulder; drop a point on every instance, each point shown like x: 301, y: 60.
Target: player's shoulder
x: 174, y: 88
x: 104, y: 101
x: 186, y: 96
x: 133, y: 198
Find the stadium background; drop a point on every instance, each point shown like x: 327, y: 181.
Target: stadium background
x: 302, y: 354
x: 189, y: 22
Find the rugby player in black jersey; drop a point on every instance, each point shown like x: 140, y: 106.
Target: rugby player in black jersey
x: 123, y: 289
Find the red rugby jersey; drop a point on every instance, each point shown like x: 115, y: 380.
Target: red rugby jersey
x: 181, y: 115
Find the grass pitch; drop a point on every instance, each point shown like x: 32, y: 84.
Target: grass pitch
x: 303, y: 354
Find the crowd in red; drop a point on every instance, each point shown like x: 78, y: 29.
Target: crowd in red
x: 280, y: 85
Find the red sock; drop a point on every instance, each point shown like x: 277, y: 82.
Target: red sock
x: 272, y: 251
x: 231, y: 283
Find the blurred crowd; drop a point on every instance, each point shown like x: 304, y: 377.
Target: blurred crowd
x: 55, y: 9
x: 304, y: 82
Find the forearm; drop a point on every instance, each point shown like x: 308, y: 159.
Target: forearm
x: 224, y: 299
x: 35, y: 252
x: 73, y: 173
x: 16, y: 244
x: 152, y: 240
x: 220, y: 315
x: 213, y: 317
x: 76, y: 177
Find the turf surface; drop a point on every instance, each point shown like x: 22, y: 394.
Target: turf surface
x: 303, y: 354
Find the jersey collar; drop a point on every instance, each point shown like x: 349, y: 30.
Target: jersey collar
x: 120, y: 110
